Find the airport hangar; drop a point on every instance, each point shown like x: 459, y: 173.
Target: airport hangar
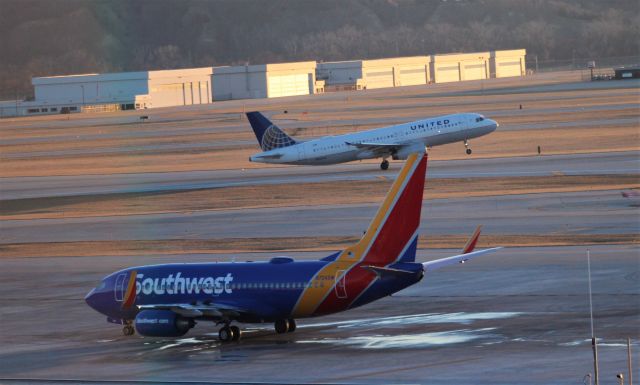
x: 165, y: 88
x: 416, y: 70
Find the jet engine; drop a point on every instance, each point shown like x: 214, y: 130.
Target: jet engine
x: 162, y: 323
x: 404, y: 151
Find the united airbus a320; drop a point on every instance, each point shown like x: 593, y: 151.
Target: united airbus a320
x: 395, y: 142
x: 168, y: 300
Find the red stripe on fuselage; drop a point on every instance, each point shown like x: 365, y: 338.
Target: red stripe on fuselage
x: 357, y: 280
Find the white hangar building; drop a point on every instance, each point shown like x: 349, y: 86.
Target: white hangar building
x: 508, y: 63
x: 405, y: 71
x: 125, y: 90
x: 149, y: 89
x: 460, y: 67
x: 265, y: 81
x: 378, y: 73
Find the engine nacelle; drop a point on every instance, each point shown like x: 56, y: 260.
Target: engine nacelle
x: 162, y: 323
x: 404, y: 151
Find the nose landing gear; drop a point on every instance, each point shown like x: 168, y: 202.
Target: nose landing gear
x: 384, y: 165
x: 466, y: 145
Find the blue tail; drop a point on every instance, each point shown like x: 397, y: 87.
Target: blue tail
x: 268, y: 134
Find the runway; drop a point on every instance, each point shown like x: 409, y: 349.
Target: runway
x: 517, y: 316
x: 575, y: 164
x: 599, y: 212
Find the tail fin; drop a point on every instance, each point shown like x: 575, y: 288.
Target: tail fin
x: 268, y: 134
x: 392, y: 236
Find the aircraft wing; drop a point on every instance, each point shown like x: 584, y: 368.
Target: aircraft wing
x: 377, y: 147
x: 216, y: 311
x: 462, y: 258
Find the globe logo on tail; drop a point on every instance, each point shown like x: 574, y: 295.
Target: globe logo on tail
x: 274, y: 138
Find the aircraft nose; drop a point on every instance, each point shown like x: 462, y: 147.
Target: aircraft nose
x: 95, y: 300
x: 91, y: 299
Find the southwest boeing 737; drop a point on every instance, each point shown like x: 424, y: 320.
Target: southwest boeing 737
x: 169, y: 299
x: 396, y: 141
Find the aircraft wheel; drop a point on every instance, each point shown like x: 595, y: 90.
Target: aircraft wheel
x: 128, y: 330
x: 468, y: 151
x: 237, y: 333
x: 292, y: 325
x: 281, y: 326
x: 384, y: 165
x: 225, y: 334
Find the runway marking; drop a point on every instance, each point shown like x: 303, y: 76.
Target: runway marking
x: 408, y: 341
x: 401, y: 369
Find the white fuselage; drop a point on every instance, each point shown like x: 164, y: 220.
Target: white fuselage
x: 344, y: 148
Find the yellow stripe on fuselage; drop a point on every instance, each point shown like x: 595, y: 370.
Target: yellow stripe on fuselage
x: 129, y: 296
x: 313, y: 296
x: 321, y: 284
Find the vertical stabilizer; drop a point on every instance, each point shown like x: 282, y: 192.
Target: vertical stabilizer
x: 392, y: 236
x: 268, y: 134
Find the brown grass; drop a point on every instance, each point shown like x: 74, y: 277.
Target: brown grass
x: 243, y: 245
x: 497, y: 144
x: 334, y: 193
x: 122, y: 140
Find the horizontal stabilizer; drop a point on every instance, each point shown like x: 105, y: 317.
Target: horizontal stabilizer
x: 270, y: 156
x: 380, y: 271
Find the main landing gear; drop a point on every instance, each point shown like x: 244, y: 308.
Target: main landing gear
x: 466, y: 145
x: 229, y: 333
x: 128, y: 329
x: 285, y: 325
x: 384, y: 165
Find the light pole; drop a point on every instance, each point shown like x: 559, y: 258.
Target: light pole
x: 629, y: 361
x: 594, y: 344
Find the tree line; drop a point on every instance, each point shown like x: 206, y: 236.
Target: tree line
x: 44, y: 37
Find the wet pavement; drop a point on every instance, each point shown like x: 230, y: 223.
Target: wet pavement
x: 517, y: 316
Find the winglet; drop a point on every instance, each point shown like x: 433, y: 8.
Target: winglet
x: 471, y: 243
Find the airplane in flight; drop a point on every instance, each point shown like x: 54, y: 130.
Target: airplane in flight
x: 395, y: 142
x: 167, y: 300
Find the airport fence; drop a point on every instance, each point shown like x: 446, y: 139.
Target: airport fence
x: 534, y: 65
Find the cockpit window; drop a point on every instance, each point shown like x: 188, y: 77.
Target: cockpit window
x: 480, y: 119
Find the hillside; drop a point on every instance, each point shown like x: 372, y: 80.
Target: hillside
x: 44, y: 37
